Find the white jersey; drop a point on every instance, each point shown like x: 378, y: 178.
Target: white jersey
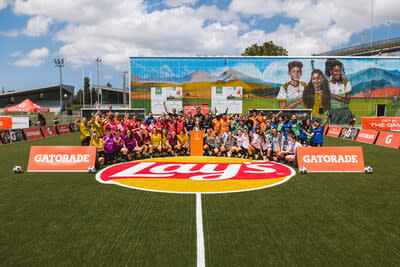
x: 255, y: 142
x: 265, y: 145
x: 239, y: 140
x: 340, y: 89
x: 291, y: 93
x: 245, y: 142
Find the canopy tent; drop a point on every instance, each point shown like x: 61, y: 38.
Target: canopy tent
x: 26, y: 106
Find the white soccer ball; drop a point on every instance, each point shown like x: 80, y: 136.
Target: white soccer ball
x: 368, y: 169
x: 303, y: 170
x: 17, y: 169
x: 91, y: 169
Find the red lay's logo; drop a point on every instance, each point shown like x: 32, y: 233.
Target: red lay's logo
x: 196, y: 175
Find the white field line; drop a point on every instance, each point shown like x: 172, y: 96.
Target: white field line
x: 201, y: 260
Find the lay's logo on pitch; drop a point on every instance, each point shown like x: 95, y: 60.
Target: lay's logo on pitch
x: 196, y: 175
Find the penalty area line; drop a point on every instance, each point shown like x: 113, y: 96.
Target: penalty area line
x: 201, y: 261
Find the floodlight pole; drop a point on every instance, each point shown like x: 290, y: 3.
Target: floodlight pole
x: 372, y: 22
x: 98, y: 60
x: 60, y: 64
x: 124, y: 89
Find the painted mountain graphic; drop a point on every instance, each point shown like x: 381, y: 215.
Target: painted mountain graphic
x: 387, y: 92
x: 232, y: 74
x: 201, y: 76
x: 373, y: 78
x: 135, y: 77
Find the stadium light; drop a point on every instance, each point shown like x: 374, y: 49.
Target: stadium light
x: 98, y: 60
x: 60, y: 64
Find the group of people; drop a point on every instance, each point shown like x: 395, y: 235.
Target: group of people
x: 257, y: 136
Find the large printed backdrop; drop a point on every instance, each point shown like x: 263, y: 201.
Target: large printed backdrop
x: 246, y: 83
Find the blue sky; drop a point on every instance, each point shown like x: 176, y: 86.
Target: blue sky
x: 34, y: 32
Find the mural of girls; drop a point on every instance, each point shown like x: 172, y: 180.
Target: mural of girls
x: 316, y: 95
x: 340, y: 89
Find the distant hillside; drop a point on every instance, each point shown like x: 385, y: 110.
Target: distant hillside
x: 387, y: 92
x: 373, y: 78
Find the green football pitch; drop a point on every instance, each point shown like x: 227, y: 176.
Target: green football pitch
x: 329, y: 219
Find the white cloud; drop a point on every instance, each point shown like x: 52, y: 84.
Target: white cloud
x: 175, y: 3
x: 16, y: 54
x: 4, y: 3
x: 116, y: 30
x: 34, y: 58
x: 37, y: 26
x: 10, y: 33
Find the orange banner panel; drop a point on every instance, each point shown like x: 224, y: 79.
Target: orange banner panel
x: 63, y: 129
x: 61, y: 158
x: 331, y: 159
x: 196, y: 143
x: 48, y: 130
x: 334, y: 131
x: 5, y: 122
x: 32, y: 133
x: 390, y: 139
x: 367, y: 136
x: 381, y: 123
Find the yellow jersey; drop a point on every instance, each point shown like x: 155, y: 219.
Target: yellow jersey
x: 182, y: 139
x: 97, y: 143
x: 84, y: 130
x: 155, y: 139
x: 317, y: 104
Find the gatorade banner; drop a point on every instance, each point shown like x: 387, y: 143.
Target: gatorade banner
x: 32, y: 133
x: 17, y: 135
x: 349, y: 133
x: 334, y: 131
x: 196, y: 143
x: 63, y: 129
x: 191, y: 108
x: 5, y: 122
x: 48, y: 130
x: 326, y: 129
x: 390, y: 139
x: 381, y: 123
x: 367, y: 136
x: 61, y: 158
x: 331, y: 159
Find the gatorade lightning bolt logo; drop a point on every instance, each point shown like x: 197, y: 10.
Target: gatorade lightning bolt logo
x: 196, y: 175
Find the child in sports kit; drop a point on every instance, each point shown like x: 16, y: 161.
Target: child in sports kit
x: 155, y: 142
x: 291, y: 93
x: 183, y: 142
x: 318, y: 133
x: 109, y: 154
x: 172, y: 143
x: 209, y: 142
x: 340, y: 89
x: 99, y: 144
x: 254, y: 145
x: 130, y: 144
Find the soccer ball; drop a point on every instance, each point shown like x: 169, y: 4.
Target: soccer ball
x: 368, y: 169
x: 303, y: 170
x: 17, y: 169
x: 91, y: 169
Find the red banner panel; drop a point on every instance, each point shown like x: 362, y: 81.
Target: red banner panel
x: 367, y: 136
x: 32, y: 133
x: 63, y: 129
x: 334, y: 131
x: 48, y: 130
x: 331, y: 159
x: 381, y: 123
x: 390, y: 139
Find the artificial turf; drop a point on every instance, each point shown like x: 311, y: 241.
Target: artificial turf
x: 314, y: 219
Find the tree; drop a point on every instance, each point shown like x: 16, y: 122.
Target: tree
x: 109, y: 84
x: 266, y: 49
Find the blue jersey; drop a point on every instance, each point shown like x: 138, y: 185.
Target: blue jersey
x: 302, y: 134
x: 318, y: 135
x: 285, y: 127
